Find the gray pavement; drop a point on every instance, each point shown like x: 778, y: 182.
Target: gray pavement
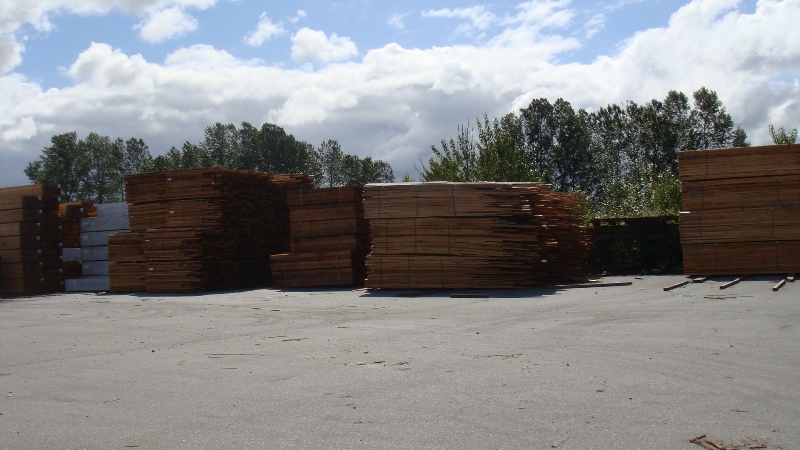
x: 625, y: 367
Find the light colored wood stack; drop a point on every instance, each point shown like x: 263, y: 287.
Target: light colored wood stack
x: 741, y: 210
x: 210, y: 229
x: 473, y: 235
x: 329, y: 239
x: 30, y: 240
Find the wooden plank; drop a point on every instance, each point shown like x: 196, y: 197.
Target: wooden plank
x: 677, y: 285
x: 779, y: 285
x: 731, y: 283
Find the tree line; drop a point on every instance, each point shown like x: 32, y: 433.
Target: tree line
x: 624, y: 158
x: 94, y: 168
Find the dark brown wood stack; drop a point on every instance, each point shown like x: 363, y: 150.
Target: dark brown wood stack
x: 70, y: 215
x: 473, y: 235
x: 210, y: 229
x: 30, y: 240
x: 329, y: 239
x: 741, y: 210
x: 127, y: 264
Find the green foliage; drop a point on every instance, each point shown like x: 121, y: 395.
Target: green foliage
x: 624, y: 158
x: 780, y: 136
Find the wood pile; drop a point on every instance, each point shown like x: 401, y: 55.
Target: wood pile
x: 329, y: 239
x: 30, y: 240
x: 474, y: 235
x: 741, y: 210
x: 127, y: 266
x: 110, y: 218
x: 70, y: 215
x: 210, y: 229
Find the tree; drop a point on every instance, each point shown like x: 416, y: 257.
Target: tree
x: 780, y: 136
x: 62, y: 163
x: 221, y: 145
x: 358, y: 172
x: 457, y: 160
x: 712, y: 126
x: 330, y: 159
x: 136, y: 156
x: 103, y: 182
x: 740, y: 138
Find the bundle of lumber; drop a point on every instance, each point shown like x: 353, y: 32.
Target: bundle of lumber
x: 741, y: 210
x: 30, y: 240
x: 329, y: 239
x: 210, y: 229
x: 70, y: 216
x: 473, y: 235
x: 127, y: 267
x: 110, y: 218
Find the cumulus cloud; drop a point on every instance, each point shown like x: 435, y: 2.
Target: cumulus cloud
x: 315, y: 47
x: 266, y: 30
x: 299, y: 16
x: 165, y: 24
x: 395, y: 102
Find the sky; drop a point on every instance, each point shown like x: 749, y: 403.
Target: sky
x: 386, y: 79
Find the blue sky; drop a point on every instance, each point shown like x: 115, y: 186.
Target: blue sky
x: 386, y: 79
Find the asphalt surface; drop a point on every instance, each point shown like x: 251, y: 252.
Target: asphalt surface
x: 626, y: 367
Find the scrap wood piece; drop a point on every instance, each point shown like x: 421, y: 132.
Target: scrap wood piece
x: 731, y: 283
x: 790, y: 278
x: 561, y: 441
x: 677, y: 285
x: 593, y: 285
x: 778, y: 286
x: 707, y: 444
x: 468, y: 295
x: 699, y: 279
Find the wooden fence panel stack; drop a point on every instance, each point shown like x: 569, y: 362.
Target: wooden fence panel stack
x: 473, y: 235
x: 70, y: 218
x: 30, y: 240
x: 330, y: 239
x: 741, y: 210
x: 210, y: 229
x: 111, y: 218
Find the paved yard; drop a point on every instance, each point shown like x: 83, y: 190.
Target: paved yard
x: 613, y: 367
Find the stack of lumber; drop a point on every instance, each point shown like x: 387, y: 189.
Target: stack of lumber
x: 30, y: 240
x: 329, y: 239
x: 473, y: 235
x: 210, y: 229
x: 741, y: 210
x: 70, y: 215
x: 127, y: 267
x: 111, y: 218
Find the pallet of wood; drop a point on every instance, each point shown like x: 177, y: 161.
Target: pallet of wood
x: 329, y: 239
x: 30, y: 240
x: 741, y: 210
x: 210, y: 229
x: 473, y: 235
x: 127, y: 267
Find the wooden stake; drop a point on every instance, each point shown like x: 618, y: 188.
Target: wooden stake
x: 779, y: 285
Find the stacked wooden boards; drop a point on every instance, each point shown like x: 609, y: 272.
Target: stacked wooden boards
x: 127, y: 264
x: 329, y: 239
x: 70, y: 215
x: 210, y: 229
x: 30, y: 240
x: 741, y: 210
x: 110, y: 218
x: 473, y: 235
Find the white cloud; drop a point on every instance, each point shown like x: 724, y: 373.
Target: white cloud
x: 315, y: 47
x: 299, y: 16
x: 396, y: 102
x: 594, y: 25
x: 165, y: 24
x: 477, y: 16
x: 397, y: 21
x: 266, y: 30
